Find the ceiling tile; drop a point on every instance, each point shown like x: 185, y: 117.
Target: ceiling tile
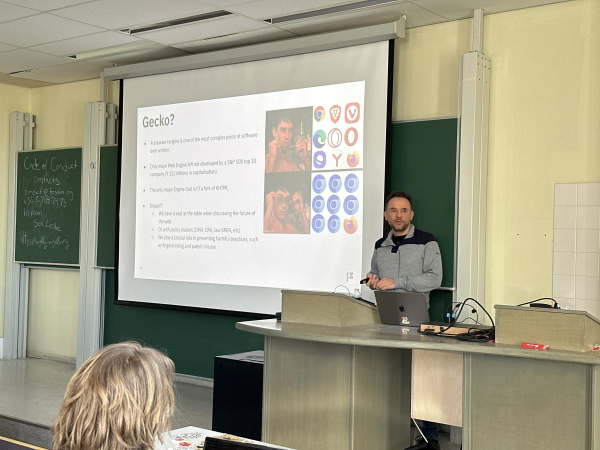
x: 114, y: 14
x: 65, y: 73
x: 342, y: 21
x: 85, y: 43
x: 226, y: 4
x: 46, y: 5
x: 148, y: 54
x: 237, y: 40
x: 417, y: 16
x: 6, y: 47
x: 460, y: 9
x: 7, y: 79
x: 24, y: 59
x: 206, y: 29
x: 8, y: 11
x: 41, y: 29
x: 267, y: 9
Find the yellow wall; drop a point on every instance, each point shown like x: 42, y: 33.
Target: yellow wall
x: 12, y: 98
x: 544, y: 129
x: 544, y: 124
x: 52, y: 314
x: 426, y: 70
x: 59, y: 112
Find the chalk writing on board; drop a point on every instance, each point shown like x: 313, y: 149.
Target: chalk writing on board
x: 42, y: 242
x: 48, y: 206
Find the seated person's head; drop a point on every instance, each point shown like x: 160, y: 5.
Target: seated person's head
x: 121, y: 398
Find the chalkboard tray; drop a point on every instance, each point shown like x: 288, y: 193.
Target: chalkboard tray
x: 48, y: 206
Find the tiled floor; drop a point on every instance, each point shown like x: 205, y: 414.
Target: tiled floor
x: 32, y: 390
x: 444, y: 440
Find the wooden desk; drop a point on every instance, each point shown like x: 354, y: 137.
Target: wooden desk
x: 349, y: 388
x: 181, y: 438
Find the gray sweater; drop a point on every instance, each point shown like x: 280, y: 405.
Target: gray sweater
x: 415, y: 264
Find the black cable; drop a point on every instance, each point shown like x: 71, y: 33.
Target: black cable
x: 477, y: 322
x: 540, y: 299
x: 477, y: 335
x: 472, y: 334
x: 442, y: 330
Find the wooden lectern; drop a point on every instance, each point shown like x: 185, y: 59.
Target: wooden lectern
x: 330, y: 395
x: 326, y: 308
x: 561, y: 329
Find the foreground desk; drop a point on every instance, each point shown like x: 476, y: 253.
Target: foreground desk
x: 349, y: 388
x: 192, y: 438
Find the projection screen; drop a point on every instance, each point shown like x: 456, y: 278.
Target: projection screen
x: 241, y: 180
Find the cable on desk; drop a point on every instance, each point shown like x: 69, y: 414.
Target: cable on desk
x: 554, y: 305
x: 472, y: 334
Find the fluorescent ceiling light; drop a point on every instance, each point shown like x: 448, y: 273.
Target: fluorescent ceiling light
x: 172, y: 23
x: 327, y: 11
x: 114, y: 50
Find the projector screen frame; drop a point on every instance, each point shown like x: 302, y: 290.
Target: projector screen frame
x: 245, y: 314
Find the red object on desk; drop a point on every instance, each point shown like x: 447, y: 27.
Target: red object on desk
x: 535, y: 346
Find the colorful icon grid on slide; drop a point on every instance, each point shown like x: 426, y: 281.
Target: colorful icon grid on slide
x: 335, y: 204
x: 338, y: 136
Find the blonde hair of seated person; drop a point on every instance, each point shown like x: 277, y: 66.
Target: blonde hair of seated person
x: 121, y: 398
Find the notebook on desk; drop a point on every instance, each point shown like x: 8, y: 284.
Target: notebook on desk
x: 408, y: 309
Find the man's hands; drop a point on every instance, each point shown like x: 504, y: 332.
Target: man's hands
x: 301, y: 148
x: 270, y: 200
x: 372, y: 280
x: 384, y: 284
x: 298, y: 203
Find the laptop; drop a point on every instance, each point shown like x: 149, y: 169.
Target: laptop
x: 408, y: 309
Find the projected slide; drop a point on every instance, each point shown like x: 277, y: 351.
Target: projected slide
x: 257, y: 190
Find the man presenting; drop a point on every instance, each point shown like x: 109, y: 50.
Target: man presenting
x: 407, y: 260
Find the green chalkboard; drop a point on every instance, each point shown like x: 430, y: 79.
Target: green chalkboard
x: 423, y: 164
x: 107, y: 206
x: 48, y: 206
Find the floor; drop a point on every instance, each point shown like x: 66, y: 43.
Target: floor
x: 444, y: 438
x: 32, y: 390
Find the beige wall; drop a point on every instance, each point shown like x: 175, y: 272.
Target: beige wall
x: 544, y: 124
x: 52, y: 314
x: 59, y: 112
x: 426, y: 70
x: 544, y: 129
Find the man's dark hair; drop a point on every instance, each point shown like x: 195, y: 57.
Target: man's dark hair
x: 282, y: 188
x: 282, y: 117
x: 398, y: 194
